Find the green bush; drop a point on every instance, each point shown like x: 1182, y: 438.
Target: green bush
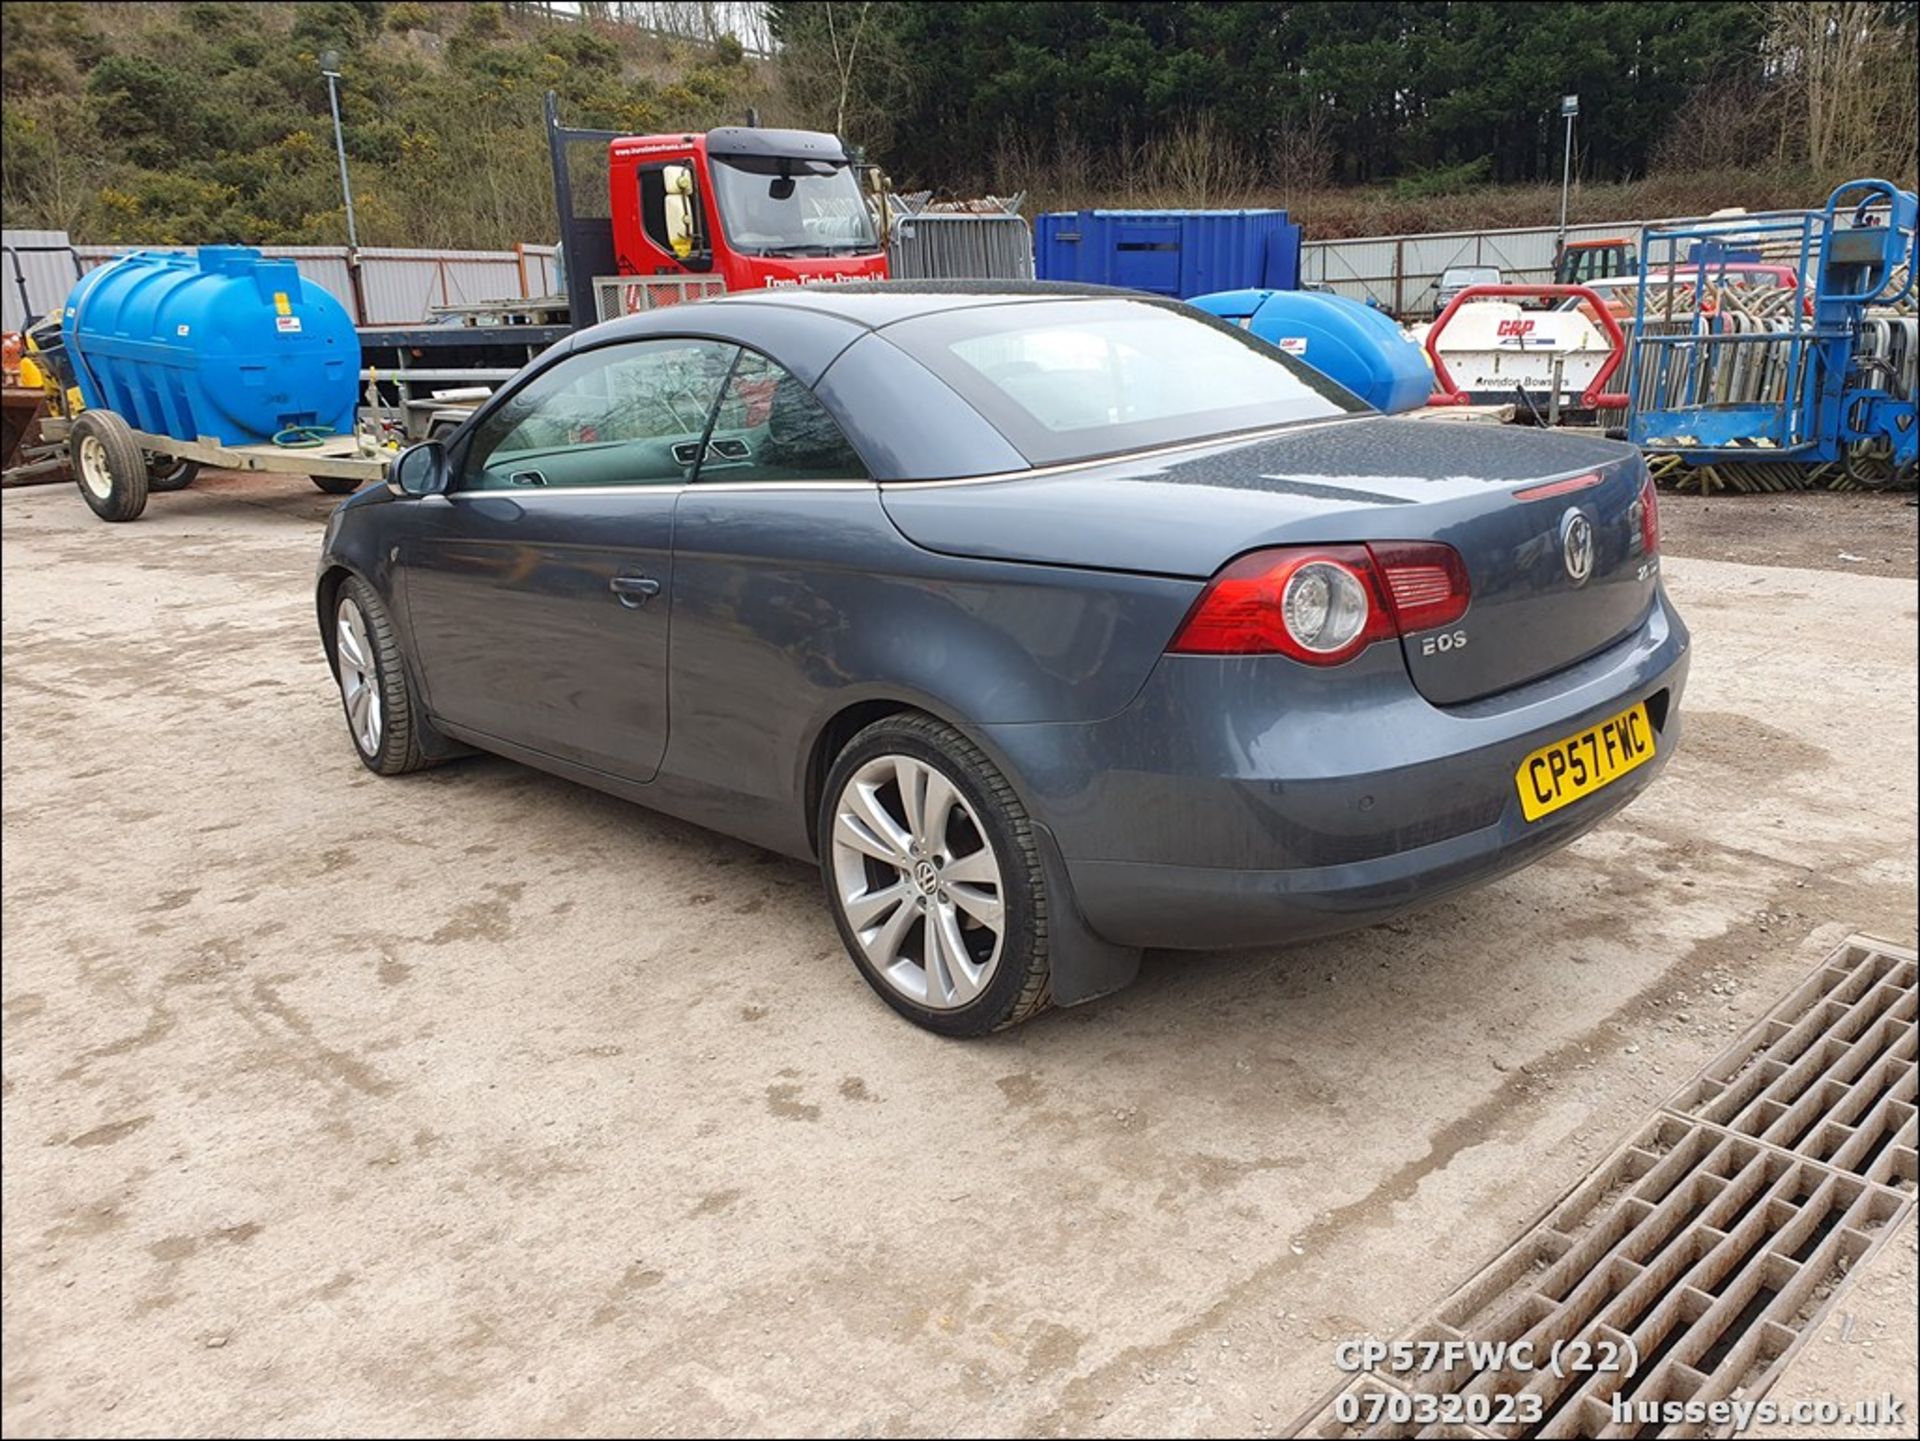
x: 1445, y: 179
x: 179, y: 124
x: 409, y: 15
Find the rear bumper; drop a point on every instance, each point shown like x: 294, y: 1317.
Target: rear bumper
x: 1207, y: 908
x: 1246, y: 802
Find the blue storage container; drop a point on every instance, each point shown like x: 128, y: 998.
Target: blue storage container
x: 222, y: 345
x: 1179, y: 253
x: 1349, y: 343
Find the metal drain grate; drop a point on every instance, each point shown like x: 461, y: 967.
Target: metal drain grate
x: 1710, y: 1244
x: 1830, y: 1073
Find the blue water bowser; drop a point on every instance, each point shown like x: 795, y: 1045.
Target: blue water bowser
x: 1349, y: 343
x: 221, y: 345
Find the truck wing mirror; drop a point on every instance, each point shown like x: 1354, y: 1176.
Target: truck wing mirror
x: 678, y: 205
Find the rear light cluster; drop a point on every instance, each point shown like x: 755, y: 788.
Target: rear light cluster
x: 1325, y: 604
x: 1649, y: 507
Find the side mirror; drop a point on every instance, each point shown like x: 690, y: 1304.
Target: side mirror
x: 420, y: 469
x: 678, y: 207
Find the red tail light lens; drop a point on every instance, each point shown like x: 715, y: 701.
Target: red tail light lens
x: 1428, y: 582
x: 1324, y: 604
x: 1649, y: 517
x: 1321, y: 605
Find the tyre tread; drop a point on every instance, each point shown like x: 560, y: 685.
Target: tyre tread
x: 126, y: 465
x: 400, y: 751
x: 1035, y: 994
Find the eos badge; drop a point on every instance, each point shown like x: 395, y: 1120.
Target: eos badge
x: 1446, y: 641
x: 1576, y: 545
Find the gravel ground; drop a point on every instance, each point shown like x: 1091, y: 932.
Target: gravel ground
x: 477, y: 1102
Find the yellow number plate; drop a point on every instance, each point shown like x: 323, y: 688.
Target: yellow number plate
x: 1559, y: 774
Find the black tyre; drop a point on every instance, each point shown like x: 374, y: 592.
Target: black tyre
x: 108, y: 466
x: 382, y: 716
x: 934, y: 879
x: 335, y: 484
x: 167, y: 472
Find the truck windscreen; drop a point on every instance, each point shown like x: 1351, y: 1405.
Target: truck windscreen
x: 776, y: 206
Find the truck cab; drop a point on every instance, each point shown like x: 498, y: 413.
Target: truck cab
x: 749, y: 207
x: 1581, y: 262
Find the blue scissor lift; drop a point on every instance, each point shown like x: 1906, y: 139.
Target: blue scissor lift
x: 1717, y: 385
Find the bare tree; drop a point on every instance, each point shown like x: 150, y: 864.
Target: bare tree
x: 842, y: 67
x: 846, y: 57
x: 1849, y: 66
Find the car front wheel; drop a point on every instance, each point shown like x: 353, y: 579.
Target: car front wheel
x: 934, y: 878
x: 374, y: 691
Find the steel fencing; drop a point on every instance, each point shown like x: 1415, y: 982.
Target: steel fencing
x: 1401, y: 273
x: 617, y: 295
x: 941, y: 246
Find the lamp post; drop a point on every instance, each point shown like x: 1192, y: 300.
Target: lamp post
x: 330, y: 67
x: 1569, y: 107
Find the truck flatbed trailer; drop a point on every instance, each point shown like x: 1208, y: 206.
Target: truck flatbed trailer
x: 408, y: 360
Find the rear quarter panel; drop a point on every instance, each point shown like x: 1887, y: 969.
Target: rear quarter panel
x: 791, y: 604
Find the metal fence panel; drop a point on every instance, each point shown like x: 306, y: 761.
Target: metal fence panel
x: 1359, y: 269
x: 616, y: 295
x: 960, y: 247
x: 1401, y: 273
x: 540, y: 265
x: 403, y: 286
x: 39, y: 269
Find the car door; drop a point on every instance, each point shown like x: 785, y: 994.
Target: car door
x: 774, y: 545
x: 539, y: 589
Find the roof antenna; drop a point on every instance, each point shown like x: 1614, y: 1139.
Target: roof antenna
x: 753, y: 118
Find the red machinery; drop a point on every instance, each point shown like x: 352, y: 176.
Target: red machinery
x: 1594, y: 397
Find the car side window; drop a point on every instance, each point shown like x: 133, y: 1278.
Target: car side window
x: 629, y: 414
x: 770, y: 427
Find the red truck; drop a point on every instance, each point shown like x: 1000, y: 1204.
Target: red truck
x: 679, y: 217
x: 738, y: 208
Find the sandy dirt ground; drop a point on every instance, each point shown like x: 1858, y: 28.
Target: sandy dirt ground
x: 476, y: 1102
x: 1820, y: 530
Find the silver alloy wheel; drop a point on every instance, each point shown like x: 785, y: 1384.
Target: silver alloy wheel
x: 918, y: 881
x: 359, y: 677
x: 94, y: 473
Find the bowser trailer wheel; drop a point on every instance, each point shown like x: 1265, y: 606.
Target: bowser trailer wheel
x: 108, y: 465
x: 335, y: 484
x: 169, y: 472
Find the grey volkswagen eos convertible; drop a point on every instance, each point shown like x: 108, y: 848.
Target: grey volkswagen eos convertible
x: 1055, y: 625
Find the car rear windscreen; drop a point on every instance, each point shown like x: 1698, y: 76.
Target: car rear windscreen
x: 1068, y: 380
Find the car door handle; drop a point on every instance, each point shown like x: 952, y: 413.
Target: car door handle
x: 634, y: 591
x: 526, y: 477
